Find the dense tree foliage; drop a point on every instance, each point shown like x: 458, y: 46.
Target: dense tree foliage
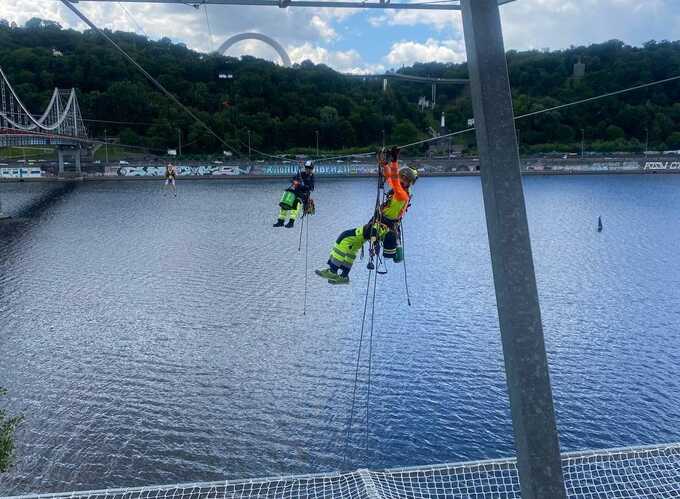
x: 7, y: 427
x: 284, y: 108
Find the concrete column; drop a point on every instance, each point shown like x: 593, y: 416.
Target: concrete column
x: 3, y: 216
x: 76, y: 153
x: 519, y: 314
x: 60, y: 153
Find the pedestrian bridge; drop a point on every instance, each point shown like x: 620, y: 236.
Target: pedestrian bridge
x: 633, y: 472
x: 61, y: 125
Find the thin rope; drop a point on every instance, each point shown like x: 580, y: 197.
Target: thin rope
x: 356, y: 372
x: 403, y: 245
x: 132, y: 18
x: 521, y: 116
x: 302, y: 224
x: 304, y: 306
x: 370, y: 362
x: 153, y: 80
x: 207, y: 21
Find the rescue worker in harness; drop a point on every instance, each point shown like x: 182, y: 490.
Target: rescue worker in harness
x: 397, y: 202
x: 384, y: 226
x: 298, y: 194
x: 345, y: 251
x: 171, y: 177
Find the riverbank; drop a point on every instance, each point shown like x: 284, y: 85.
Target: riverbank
x: 155, y: 178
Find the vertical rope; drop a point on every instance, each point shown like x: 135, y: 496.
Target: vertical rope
x: 403, y: 245
x: 304, y: 306
x: 302, y: 224
x: 356, y: 371
x: 370, y: 361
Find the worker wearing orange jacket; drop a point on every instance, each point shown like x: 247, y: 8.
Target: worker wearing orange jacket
x: 398, y: 200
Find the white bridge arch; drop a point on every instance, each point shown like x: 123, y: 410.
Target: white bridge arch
x: 257, y: 36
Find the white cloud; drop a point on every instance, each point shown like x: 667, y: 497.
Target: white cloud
x: 310, y: 33
x: 408, y: 52
x: 559, y: 24
x: 529, y: 24
x: 436, y: 19
x: 184, y: 23
x: 324, y: 29
x: 349, y: 61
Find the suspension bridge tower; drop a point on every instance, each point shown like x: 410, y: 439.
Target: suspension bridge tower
x: 60, y: 126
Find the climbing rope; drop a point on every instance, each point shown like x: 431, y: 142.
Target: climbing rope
x: 153, y: 80
x: 374, y: 269
x: 370, y: 362
x: 403, y: 245
x: 356, y: 369
x: 304, y: 306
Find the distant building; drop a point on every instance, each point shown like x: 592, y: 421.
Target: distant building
x: 57, y: 53
x: 423, y: 103
x: 579, y: 70
x: 445, y: 146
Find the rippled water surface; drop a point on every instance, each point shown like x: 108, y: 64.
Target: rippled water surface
x: 151, y: 340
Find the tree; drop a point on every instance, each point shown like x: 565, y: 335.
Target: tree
x: 404, y: 133
x: 7, y: 427
x: 614, y: 132
x: 674, y: 140
x: 285, y: 107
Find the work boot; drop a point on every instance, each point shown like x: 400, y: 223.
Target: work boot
x: 290, y: 224
x: 326, y: 273
x: 339, y: 279
x: 279, y: 223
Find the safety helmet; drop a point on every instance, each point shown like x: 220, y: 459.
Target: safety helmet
x: 309, y: 165
x: 409, y: 174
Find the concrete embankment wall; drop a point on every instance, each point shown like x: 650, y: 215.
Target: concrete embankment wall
x: 367, y: 167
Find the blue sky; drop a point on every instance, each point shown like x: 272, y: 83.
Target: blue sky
x: 363, y: 40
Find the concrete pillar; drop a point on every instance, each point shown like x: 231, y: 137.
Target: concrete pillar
x: 519, y: 314
x: 60, y: 153
x: 76, y: 153
x: 3, y: 216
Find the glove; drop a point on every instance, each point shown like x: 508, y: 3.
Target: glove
x: 394, y: 154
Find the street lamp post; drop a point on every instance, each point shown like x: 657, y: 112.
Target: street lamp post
x: 249, y: 148
x: 106, y: 147
x: 583, y: 137
x: 179, y: 142
x: 646, y: 140
x: 317, y: 143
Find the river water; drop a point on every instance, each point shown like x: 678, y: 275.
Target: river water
x: 148, y: 339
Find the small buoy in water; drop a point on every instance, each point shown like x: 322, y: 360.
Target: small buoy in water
x: 599, y: 224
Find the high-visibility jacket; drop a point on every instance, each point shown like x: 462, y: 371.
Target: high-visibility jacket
x: 395, y: 206
x: 349, y: 243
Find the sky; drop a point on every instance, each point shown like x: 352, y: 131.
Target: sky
x: 368, y: 40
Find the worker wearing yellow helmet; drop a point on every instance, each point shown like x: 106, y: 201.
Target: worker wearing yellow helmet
x: 393, y: 209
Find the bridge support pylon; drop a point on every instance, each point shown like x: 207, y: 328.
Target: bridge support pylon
x: 519, y: 312
x: 3, y: 216
x: 66, y: 152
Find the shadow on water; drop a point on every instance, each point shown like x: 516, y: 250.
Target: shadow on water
x: 24, y: 204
